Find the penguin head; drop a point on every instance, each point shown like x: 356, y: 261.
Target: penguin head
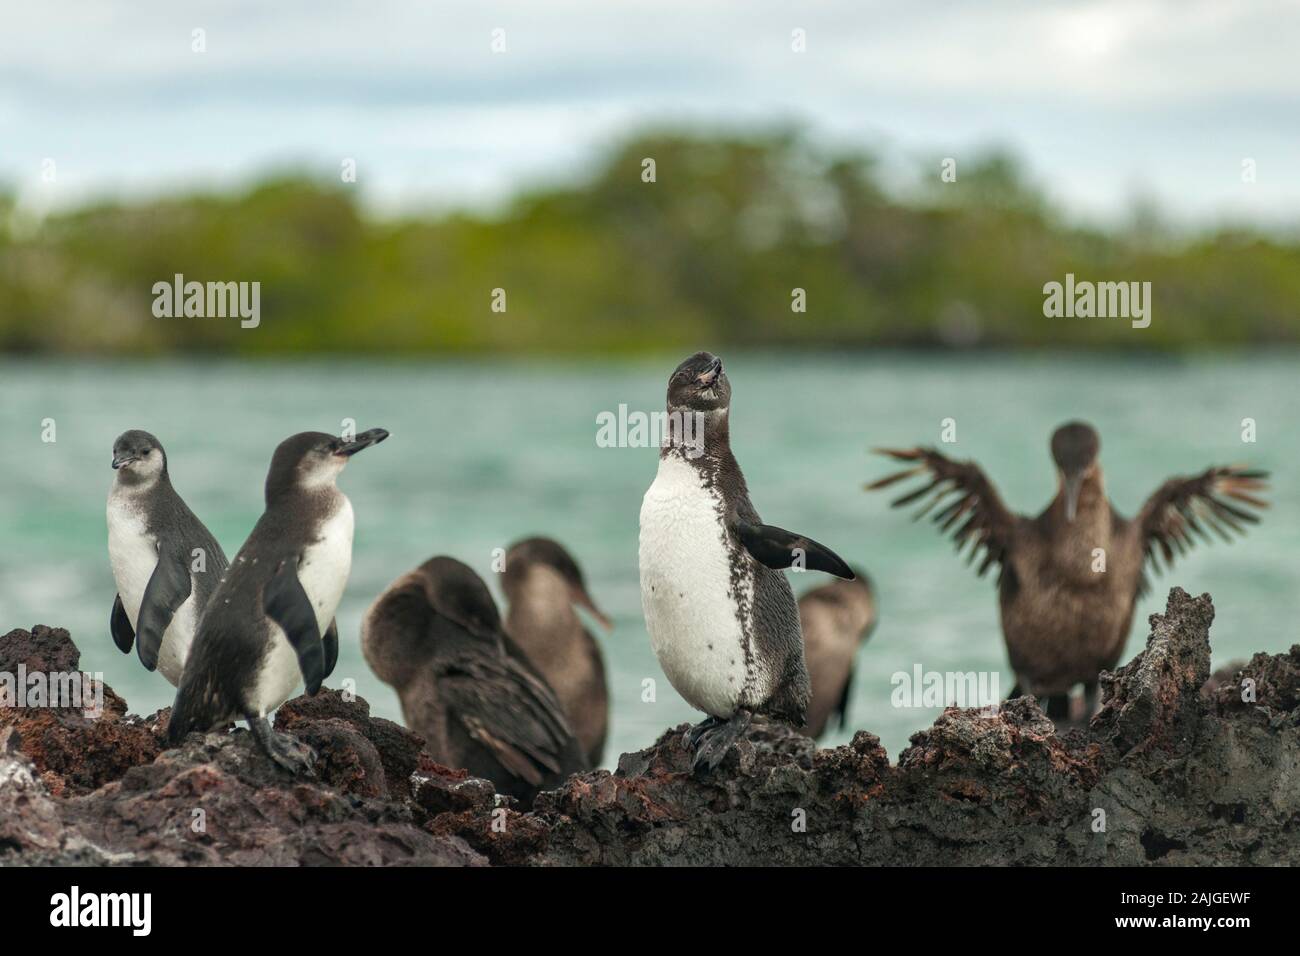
x: 1075, y: 446
x: 311, y: 460
x: 138, y: 458
x: 699, y: 385
x: 543, y: 563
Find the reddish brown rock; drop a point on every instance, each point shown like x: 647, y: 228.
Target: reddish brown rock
x: 1166, y: 773
x: 72, y: 752
x: 397, y: 749
x: 438, y: 789
x: 30, y: 822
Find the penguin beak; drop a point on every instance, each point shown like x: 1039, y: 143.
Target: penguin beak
x: 583, y: 599
x: 1073, y: 482
x: 120, y: 460
x: 710, y: 374
x: 364, y: 440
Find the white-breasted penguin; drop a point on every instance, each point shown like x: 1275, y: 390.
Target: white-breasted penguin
x: 266, y: 626
x: 543, y: 582
x: 721, y: 615
x: 165, y: 562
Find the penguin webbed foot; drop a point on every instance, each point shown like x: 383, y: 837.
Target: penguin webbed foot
x: 716, y: 740
x: 285, y: 751
x: 691, y: 739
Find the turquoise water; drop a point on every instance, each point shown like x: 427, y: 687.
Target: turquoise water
x: 484, y: 453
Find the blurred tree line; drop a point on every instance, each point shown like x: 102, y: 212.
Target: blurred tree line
x: 706, y: 255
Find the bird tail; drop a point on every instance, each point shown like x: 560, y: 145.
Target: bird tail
x: 181, y: 721
x: 193, y: 708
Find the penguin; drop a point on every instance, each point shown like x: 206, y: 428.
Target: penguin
x: 542, y: 583
x: 721, y: 616
x: 836, y: 620
x: 435, y: 636
x: 269, y: 624
x: 166, y: 564
x: 1069, y: 578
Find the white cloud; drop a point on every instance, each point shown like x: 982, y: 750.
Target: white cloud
x: 1100, y: 95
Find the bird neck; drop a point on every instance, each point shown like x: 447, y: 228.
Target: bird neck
x: 541, y: 606
x: 697, y: 434
x: 1091, y: 527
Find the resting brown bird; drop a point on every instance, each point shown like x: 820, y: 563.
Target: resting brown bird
x: 1063, y: 618
x: 836, y: 620
x: 542, y: 583
x: 465, y: 687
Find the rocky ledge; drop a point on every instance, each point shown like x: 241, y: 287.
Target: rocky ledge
x: 1175, y: 769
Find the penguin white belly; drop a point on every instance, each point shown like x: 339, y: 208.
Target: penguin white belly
x: 133, y: 555
x: 280, y: 674
x: 178, y: 637
x: 323, y: 572
x: 686, y: 590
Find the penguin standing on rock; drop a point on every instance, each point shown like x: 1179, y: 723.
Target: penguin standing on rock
x: 270, y: 622
x: 165, y: 562
x: 435, y: 636
x: 722, y: 618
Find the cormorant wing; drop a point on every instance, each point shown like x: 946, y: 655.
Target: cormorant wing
x: 120, y: 625
x: 1183, y: 506
x: 509, y: 711
x: 777, y: 548
x: 988, y: 525
x: 286, y: 603
x: 168, y: 587
x: 330, y: 643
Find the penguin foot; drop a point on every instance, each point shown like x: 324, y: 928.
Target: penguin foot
x: 691, y: 739
x: 716, y: 741
x: 295, y: 757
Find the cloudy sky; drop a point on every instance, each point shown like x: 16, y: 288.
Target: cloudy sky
x: 1105, y: 99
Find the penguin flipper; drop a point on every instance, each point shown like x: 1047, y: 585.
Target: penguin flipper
x: 777, y: 549
x: 120, y: 625
x: 330, y: 641
x: 286, y: 603
x: 168, y: 588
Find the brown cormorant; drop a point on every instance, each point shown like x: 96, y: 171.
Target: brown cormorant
x: 836, y: 619
x: 1069, y: 579
x: 436, y: 637
x: 542, y: 583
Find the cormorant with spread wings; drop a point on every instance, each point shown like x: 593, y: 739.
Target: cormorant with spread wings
x: 1064, y: 618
